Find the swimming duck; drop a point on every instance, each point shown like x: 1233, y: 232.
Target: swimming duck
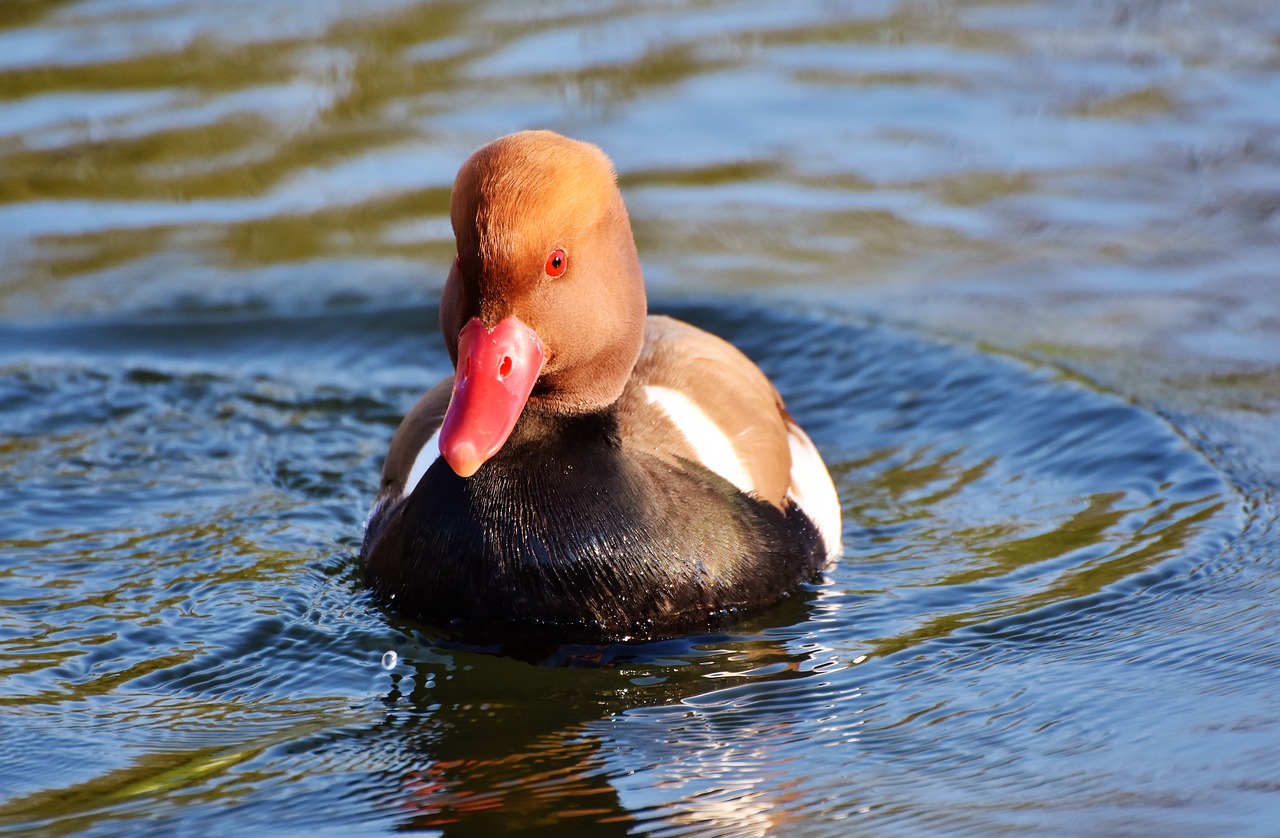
x: 589, y: 470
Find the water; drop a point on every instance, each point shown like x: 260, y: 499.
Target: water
x: 1012, y: 265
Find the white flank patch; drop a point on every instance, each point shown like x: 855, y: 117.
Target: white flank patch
x: 710, y: 444
x: 813, y: 491
x: 428, y: 455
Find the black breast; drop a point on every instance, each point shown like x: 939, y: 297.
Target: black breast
x: 565, y: 532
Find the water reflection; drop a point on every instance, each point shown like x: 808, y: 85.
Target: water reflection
x: 474, y: 744
x: 243, y: 137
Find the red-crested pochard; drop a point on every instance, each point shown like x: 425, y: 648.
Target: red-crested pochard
x: 588, y: 470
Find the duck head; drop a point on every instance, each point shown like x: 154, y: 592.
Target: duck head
x: 544, y: 307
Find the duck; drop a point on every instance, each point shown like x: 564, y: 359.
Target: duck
x: 590, y: 471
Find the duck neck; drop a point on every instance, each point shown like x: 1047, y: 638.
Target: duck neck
x: 546, y: 427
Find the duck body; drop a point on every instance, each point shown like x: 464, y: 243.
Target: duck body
x: 576, y: 527
x: 589, y: 471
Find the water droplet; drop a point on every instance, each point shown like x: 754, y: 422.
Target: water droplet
x: 389, y: 660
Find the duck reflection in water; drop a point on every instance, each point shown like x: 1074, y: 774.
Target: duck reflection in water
x: 578, y: 753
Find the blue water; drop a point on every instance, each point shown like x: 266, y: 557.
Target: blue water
x: 189, y: 642
x: 1011, y: 265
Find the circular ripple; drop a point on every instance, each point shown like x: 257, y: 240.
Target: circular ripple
x: 183, y: 509
x: 976, y: 487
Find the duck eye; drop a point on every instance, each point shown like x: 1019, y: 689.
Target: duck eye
x: 556, y: 263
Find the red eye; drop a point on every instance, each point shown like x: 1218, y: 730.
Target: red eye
x: 556, y: 263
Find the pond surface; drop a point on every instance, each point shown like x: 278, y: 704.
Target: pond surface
x: 1013, y: 265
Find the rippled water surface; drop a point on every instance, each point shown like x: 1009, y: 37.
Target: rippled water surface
x: 1014, y: 266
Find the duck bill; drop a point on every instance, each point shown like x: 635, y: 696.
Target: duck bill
x: 497, y: 369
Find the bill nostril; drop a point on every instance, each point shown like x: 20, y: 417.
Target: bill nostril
x: 504, y: 368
